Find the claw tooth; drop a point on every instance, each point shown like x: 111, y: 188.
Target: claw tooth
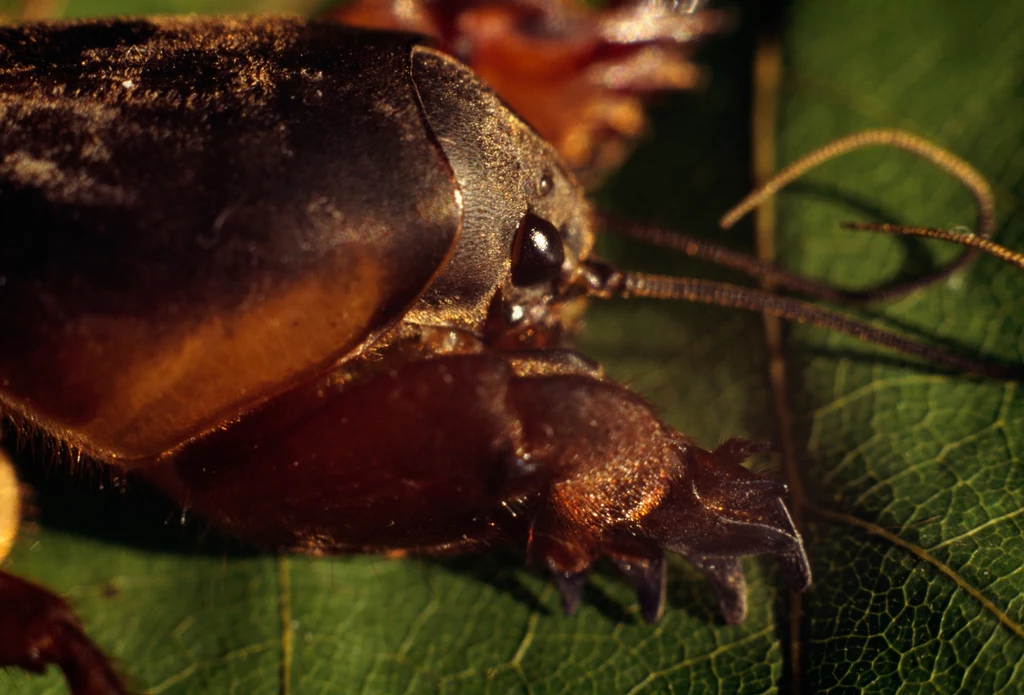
x: 570, y: 586
x: 725, y: 575
x: 793, y: 561
x: 796, y: 567
x: 648, y: 579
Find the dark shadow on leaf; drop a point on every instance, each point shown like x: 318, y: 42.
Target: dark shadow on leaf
x: 835, y: 195
x: 918, y: 259
x: 501, y: 569
x: 97, y: 502
x: 896, y: 360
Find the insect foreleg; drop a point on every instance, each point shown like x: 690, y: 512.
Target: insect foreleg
x: 458, y: 452
x: 37, y: 628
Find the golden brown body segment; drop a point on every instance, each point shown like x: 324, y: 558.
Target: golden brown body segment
x: 121, y: 316
x: 211, y: 279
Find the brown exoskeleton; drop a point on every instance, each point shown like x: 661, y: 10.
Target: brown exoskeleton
x: 312, y: 372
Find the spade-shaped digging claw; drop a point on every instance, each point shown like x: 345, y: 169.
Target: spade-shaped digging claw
x: 792, y: 558
x: 796, y: 567
x: 647, y: 575
x: 725, y: 575
x: 570, y: 586
x: 703, y: 505
x: 719, y: 512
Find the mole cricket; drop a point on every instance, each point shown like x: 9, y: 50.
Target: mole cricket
x: 350, y: 356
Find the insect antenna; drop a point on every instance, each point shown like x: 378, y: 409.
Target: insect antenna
x: 603, y: 281
x: 946, y: 161
x: 726, y: 257
x: 956, y: 236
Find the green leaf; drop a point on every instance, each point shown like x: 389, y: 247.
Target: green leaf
x: 918, y: 568
x: 913, y: 479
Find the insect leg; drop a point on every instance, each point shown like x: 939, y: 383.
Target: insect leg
x: 10, y: 505
x: 37, y: 628
x: 458, y: 452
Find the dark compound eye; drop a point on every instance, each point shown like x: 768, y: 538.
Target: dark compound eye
x: 537, y: 252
